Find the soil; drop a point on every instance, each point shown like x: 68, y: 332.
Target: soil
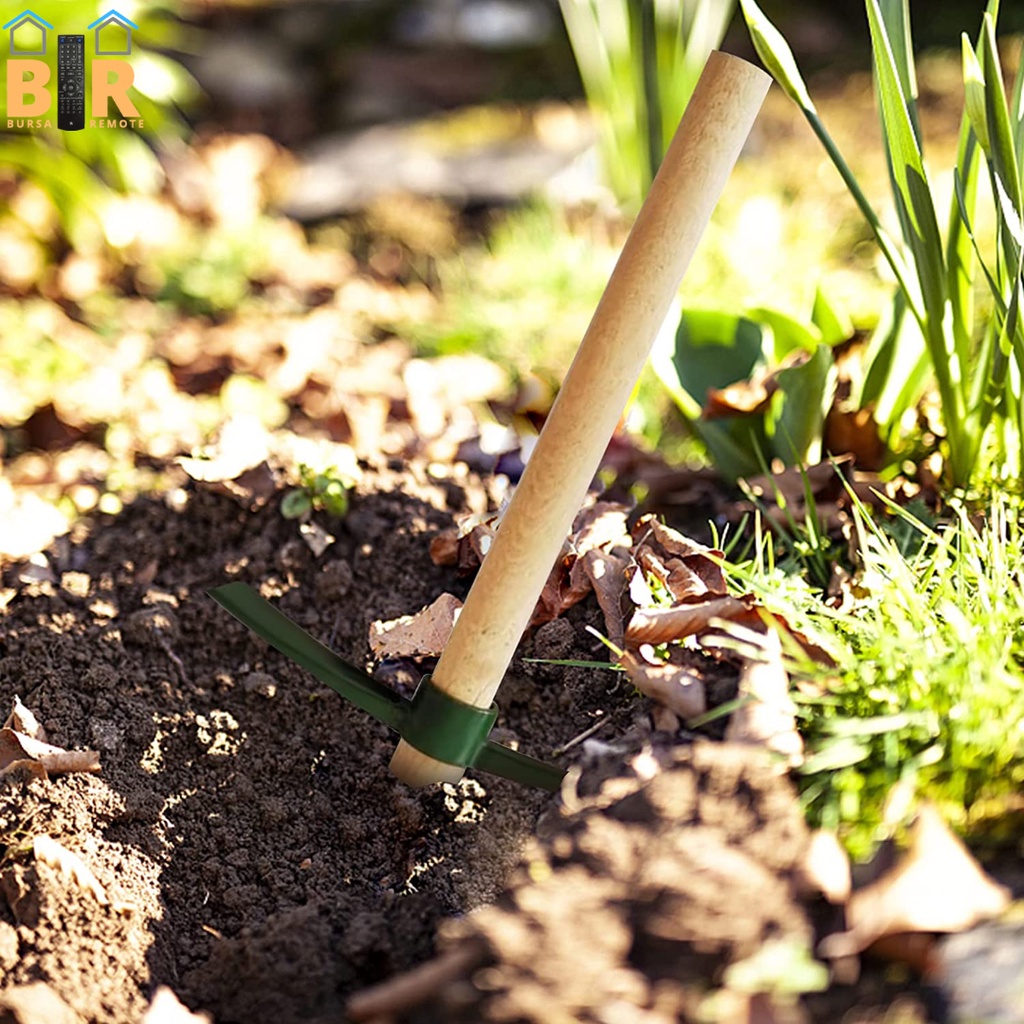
x: 258, y: 857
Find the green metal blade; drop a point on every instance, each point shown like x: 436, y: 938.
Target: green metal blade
x: 510, y: 764
x: 295, y: 643
x: 441, y: 726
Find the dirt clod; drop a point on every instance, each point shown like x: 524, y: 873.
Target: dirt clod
x: 641, y: 897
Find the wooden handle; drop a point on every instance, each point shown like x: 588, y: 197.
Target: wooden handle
x: 611, y: 356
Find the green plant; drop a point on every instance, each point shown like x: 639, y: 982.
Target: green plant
x: 926, y: 688
x: 325, y: 491
x: 639, y: 61
x: 753, y: 387
x: 935, y: 330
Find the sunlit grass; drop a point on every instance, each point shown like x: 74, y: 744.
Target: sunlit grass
x: 927, y: 689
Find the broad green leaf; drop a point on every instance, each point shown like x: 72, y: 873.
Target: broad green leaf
x: 714, y: 350
x: 295, y: 504
x: 776, y: 55
x: 796, y: 423
x: 711, y: 350
x: 787, y: 333
x: 830, y: 319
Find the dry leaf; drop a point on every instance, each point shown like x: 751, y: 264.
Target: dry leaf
x: 237, y: 464
x: 687, y: 569
x: 422, y: 635
x: 24, y: 721
x: 243, y: 445
x: 769, y: 716
x: 166, y: 1008
x: 745, y: 397
x: 70, y: 866
x: 663, y: 625
x: 607, y: 575
x: 601, y: 526
x: 444, y: 548
x: 854, y: 431
x: 740, y: 399
x: 586, y: 558
x: 677, y: 688
x: 937, y: 887
x: 16, y: 747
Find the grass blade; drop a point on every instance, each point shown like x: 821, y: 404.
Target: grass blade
x: 896, y: 18
x: 777, y: 57
x: 908, y: 166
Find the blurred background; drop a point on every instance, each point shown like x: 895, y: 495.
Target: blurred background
x: 385, y: 224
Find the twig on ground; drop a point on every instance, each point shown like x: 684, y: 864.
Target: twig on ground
x: 404, y: 991
x: 585, y: 735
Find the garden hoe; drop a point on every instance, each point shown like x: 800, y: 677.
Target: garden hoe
x: 444, y: 727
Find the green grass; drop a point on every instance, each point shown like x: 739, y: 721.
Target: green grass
x: 927, y: 689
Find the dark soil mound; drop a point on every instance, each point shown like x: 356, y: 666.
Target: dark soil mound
x: 244, y: 817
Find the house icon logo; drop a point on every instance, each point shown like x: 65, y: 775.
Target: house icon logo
x: 89, y: 90
x: 20, y: 21
x: 113, y: 21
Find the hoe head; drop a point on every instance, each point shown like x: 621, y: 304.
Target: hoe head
x: 433, y: 722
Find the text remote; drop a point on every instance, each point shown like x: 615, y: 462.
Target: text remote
x: 70, y: 83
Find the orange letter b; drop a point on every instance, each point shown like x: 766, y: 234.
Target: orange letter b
x: 27, y: 95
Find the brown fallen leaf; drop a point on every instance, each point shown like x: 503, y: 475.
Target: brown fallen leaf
x: 598, y: 529
x: 237, y: 464
x: 464, y: 546
x: 586, y: 557
x: 937, y: 887
x: 686, y: 569
x: 607, y: 575
x: 768, y: 717
x: 853, y: 431
x: 746, y: 397
x: 444, y: 548
x: 16, y: 747
x: 601, y: 526
x: 663, y: 625
x: 422, y: 635
x: 69, y: 866
x: 677, y: 688
x: 22, y: 720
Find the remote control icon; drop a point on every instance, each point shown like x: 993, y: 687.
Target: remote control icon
x: 70, y: 83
